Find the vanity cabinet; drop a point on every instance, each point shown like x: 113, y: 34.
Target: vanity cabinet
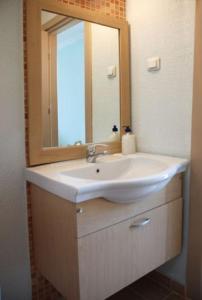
x: 91, y: 250
x: 112, y: 258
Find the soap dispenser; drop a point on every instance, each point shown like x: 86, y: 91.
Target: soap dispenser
x: 128, y: 141
x: 114, y: 137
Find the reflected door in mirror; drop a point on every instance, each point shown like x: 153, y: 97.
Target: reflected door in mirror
x: 80, y: 81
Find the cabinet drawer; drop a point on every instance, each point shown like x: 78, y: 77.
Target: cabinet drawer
x: 120, y: 254
x: 99, y: 213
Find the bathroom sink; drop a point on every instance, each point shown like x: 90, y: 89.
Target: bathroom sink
x: 122, y: 169
x: 118, y: 178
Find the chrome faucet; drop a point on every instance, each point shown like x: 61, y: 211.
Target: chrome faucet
x: 92, y: 155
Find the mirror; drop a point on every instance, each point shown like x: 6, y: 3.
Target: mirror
x: 77, y: 78
x: 80, y: 81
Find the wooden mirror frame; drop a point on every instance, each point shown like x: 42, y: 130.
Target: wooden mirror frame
x: 38, y: 154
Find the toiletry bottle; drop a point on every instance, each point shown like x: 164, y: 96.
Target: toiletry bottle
x: 114, y: 137
x: 128, y: 141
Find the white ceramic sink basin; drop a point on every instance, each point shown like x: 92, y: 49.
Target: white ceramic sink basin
x: 122, y: 169
x: 118, y: 178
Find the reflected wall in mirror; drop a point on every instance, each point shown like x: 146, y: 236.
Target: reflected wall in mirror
x: 80, y: 81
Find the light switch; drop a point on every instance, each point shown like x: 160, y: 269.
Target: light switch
x: 153, y: 64
x: 111, y: 71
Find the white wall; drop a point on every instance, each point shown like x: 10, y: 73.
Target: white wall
x: 162, y: 101
x: 14, y: 260
x: 105, y: 91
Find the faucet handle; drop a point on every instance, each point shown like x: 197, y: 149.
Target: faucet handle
x: 91, y: 148
x: 101, y: 145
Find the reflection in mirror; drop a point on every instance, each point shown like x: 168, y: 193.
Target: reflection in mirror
x: 80, y: 81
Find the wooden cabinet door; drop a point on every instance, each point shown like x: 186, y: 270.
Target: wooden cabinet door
x: 112, y: 258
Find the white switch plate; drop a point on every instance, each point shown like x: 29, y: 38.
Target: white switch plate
x: 153, y: 64
x: 111, y: 71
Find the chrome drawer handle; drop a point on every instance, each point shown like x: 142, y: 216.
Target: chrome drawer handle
x: 140, y: 223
